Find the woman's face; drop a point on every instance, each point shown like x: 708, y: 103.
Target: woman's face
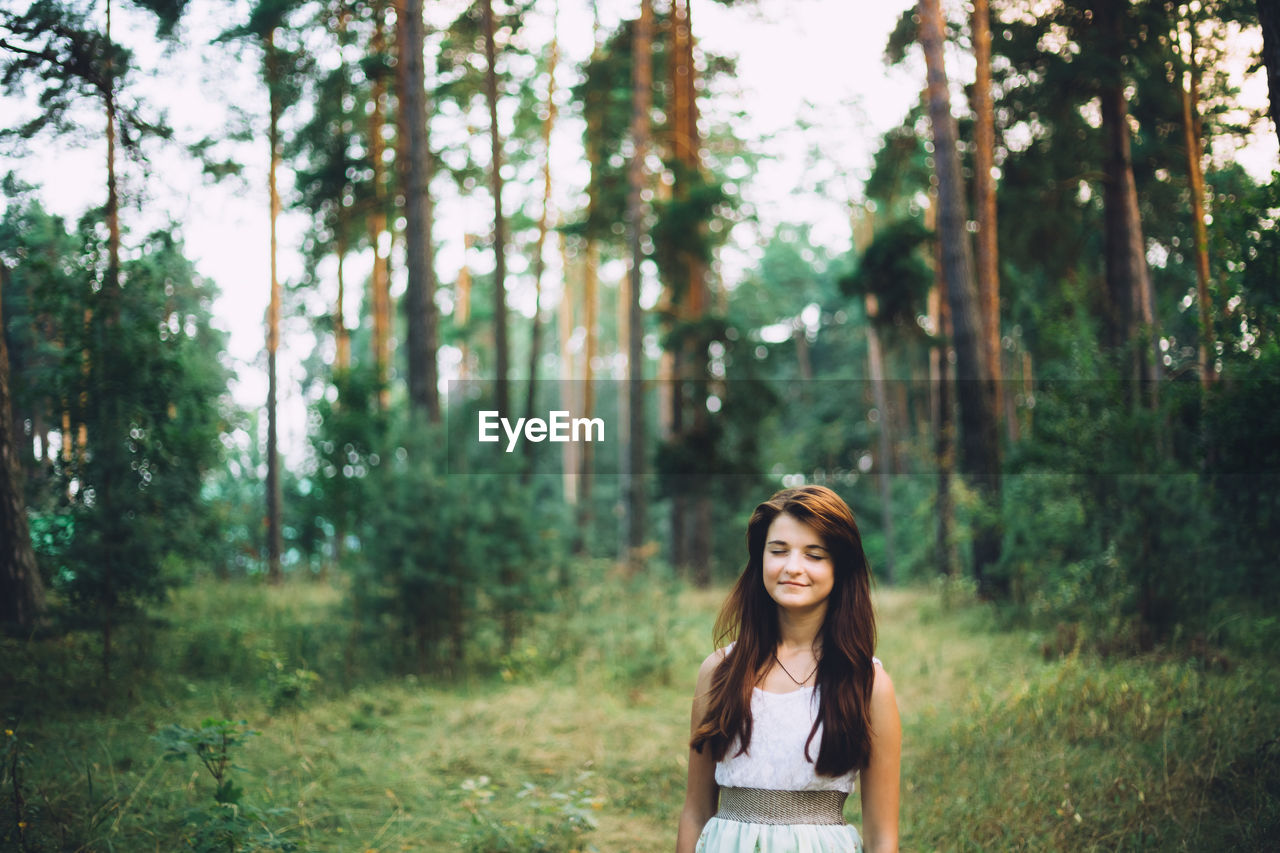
x: 798, y: 570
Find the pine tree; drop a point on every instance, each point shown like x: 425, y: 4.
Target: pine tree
x: 979, y: 440
x: 21, y: 589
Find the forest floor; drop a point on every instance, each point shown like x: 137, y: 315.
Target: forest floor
x: 585, y: 749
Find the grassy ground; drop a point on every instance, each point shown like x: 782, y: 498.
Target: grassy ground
x: 577, y: 743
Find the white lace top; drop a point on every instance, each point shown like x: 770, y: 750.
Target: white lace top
x: 775, y: 760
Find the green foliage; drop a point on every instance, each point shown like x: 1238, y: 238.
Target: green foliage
x: 229, y: 824
x: 460, y: 83
x: 445, y: 558
x: 682, y: 231
x: 582, y: 747
x: 136, y: 370
x: 1128, y: 754
x: 66, y: 59
x: 893, y: 270
x: 288, y: 687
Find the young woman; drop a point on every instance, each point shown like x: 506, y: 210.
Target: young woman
x: 788, y: 716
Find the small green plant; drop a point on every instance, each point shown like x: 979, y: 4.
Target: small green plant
x: 287, y: 687
x: 229, y: 824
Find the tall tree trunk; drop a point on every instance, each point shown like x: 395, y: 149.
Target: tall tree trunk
x: 622, y: 509
x: 501, y: 357
x: 508, y: 576
x: 979, y: 436
x: 97, y: 375
x: 591, y: 319
x: 274, y: 489
x: 688, y: 300
x: 586, y: 453
x: 342, y: 220
x: 341, y: 337
x: 862, y: 227
x: 535, y: 332
x: 884, y: 464
x: 590, y: 278
x: 113, y: 194
x: 940, y: 406
x: 641, y: 102
x: 568, y: 375
x: 420, y: 289
x: 462, y: 311
x: 379, y: 237
x: 1191, y: 134
x: 984, y: 195
x: 1132, y: 320
x: 21, y: 590
x: 944, y: 441
x: 1269, y: 17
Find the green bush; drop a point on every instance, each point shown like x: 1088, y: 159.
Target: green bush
x: 230, y: 824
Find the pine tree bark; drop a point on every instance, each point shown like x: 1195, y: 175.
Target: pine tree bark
x: 341, y: 337
x: 1132, y: 320
x: 586, y: 452
x: 1269, y: 17
x: 943, y: 432
x: 884, y: 461
x: 979, y: 437
x: 1191, y: 134
x: 108, y: 420
x: 984, y: 193
x: 342, y: 220
x: 21, y: 590
x: 862, y: 228
x: 113, y: 193
x: 501, y: 356
x: 568, y: 375
x: 535, y: 332
x: 419, y: 299
x: 690, y: 538
x: 274, y: 488
x: 508, y: 578
x: 940, y: 406
x: 379, y: 237
x: 584, y: 388
x: 462, y: 311
x: 641, y: 103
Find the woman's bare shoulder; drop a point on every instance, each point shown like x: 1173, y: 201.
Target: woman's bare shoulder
x: 882, y: 685
x: 709, y: 664
x: 711, y: 661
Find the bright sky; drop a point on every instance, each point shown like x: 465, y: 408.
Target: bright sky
x: 813, y: 60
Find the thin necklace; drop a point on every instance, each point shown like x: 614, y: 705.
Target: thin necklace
x: 788, y: 672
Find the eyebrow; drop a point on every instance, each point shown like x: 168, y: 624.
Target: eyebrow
x: 788, y: 544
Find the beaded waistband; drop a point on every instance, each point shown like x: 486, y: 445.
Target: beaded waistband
x: 758, y: 805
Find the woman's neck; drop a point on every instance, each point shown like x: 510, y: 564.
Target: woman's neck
x: 800, y: 630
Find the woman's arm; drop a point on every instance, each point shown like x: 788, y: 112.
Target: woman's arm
x: 702, y: 795
x: 881, y: 777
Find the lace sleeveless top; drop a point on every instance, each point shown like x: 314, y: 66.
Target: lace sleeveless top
x: 775, y: 760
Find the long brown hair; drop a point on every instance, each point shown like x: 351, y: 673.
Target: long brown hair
x: 750, y: 617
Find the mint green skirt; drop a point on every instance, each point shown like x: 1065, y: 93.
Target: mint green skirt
x: 735, y: 836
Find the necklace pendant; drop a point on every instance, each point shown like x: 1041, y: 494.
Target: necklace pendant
x: 798, y: 683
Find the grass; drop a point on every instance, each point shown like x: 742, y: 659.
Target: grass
x: 576, y: 741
